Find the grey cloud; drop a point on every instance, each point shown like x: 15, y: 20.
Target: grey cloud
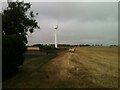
x: 79, y: 22
x: 73, y: 10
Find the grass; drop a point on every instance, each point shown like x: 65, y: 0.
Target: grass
x: 87, y: 67
x: 41, y: 60
x: 29, y: 73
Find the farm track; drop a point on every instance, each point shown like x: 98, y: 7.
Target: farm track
x: 85, y: 68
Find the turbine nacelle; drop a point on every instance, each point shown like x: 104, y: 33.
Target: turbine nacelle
x: 55, y: 27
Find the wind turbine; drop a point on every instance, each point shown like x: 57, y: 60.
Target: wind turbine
x: 55, y: 27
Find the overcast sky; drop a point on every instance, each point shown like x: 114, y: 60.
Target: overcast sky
x: 78, y: 22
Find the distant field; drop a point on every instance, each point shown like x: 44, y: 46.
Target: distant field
x: 87, y: 67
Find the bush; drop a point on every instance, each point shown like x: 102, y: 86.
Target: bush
x: 50, y: 49
x: 12, y: 55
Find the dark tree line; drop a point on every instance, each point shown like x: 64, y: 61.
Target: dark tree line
x: 48, y: 49
x: 17, y: 20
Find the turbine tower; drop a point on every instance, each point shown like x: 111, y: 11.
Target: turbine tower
x: 55, y: 27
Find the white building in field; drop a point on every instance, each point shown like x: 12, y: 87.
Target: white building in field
x: 33, y: 49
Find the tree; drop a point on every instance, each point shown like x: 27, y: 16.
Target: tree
x: 17, y: 20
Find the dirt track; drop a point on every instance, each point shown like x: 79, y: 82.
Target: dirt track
x: 86, y: 67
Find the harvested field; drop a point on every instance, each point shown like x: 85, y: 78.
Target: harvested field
x: 87, y: 67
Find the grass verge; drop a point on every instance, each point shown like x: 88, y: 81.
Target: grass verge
x: 29, y: 73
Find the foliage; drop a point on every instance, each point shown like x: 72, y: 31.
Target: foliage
x: 13, y: 49
x: 46, y: 48
x: 49, y: 49
x: 16, y: 22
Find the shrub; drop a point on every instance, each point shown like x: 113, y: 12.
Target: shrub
x: 12, y: 55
